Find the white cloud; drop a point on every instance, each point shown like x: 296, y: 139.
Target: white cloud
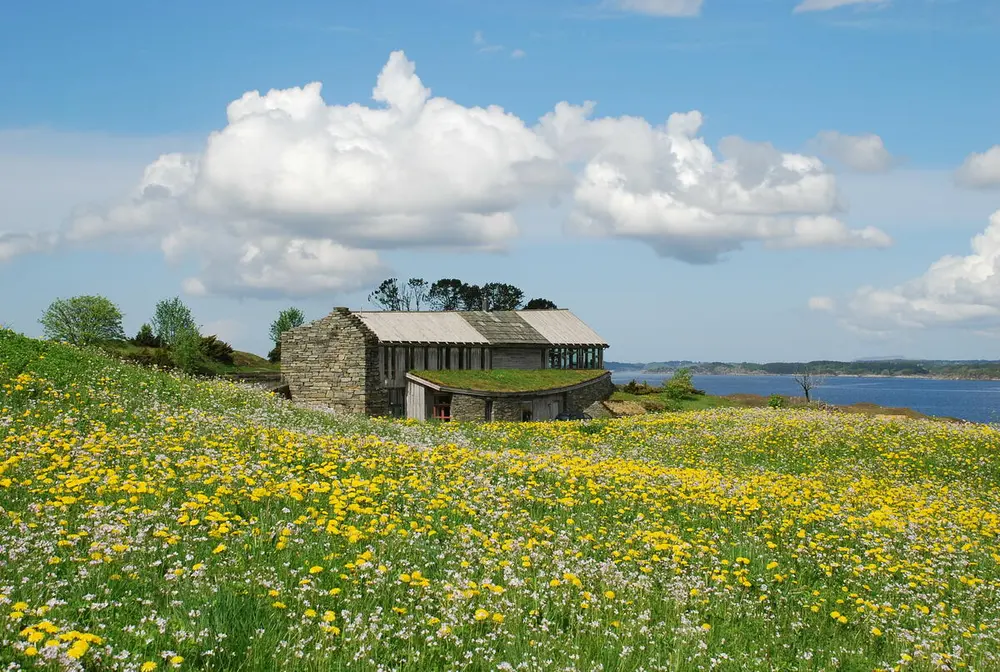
x: 821, y: 303
x: 306, y: 192
x: 518, y: 53
x: 861, y: 153
x: 294, y: 196
x: 980, y: 171
x: 484, y: 46
x: 661, y: 7
x: 953, y: 291
x: 824, y: 5
x: 665, y: 186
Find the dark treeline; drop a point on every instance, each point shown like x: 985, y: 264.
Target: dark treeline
x: 451, y: 294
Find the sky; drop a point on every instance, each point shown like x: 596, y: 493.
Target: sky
x: 711, y: 180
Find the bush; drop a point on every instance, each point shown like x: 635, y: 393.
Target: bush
x: 776, y: 401
x: 157, y: 357
x: 216, y: 350
x: 635, y: 387
x: 145, y: 338
x: 680, y: 386
x: 275, y: 355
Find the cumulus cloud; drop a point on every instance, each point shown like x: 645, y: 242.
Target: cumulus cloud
x: 13, y: 244
x: 861, y: 153
x: 955, y: 290
x: 824, y: 5
x: 295, y: 196
x: 980, y: 171
x: 664, y: 185
x: 661, y: 7
x: 301, y: 194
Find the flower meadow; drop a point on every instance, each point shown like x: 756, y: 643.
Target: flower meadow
x: 152, y: 522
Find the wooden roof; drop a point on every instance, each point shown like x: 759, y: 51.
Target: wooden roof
x: 507, y: 327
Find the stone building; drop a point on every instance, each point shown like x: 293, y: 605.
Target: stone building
x: 475, y: 365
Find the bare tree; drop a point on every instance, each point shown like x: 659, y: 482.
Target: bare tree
x: 808, y: 382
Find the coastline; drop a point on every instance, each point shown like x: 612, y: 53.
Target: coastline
x: 655, y: 372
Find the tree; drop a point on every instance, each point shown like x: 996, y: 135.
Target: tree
x: 287, y: 319
x: 82, y: 320
x: 216, y: 350
x: 145, y: 338
x: 388, y: 295
x: 501, y: 296
x: 540, y: 304
x: 417, y: 292
x: 807, y: 381
x: 446, y: 294
x: 170, y: 317
x: 185, y: 350
x: 472, y: 297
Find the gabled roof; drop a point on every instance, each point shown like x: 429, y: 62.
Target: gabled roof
x: 561, y: 327
x: 506, y: 327
x: 417, y: 327
x: 503, y: 326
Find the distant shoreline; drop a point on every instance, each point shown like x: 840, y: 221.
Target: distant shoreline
x: 905, y: 376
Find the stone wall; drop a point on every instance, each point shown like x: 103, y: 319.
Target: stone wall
x: 334, y: 362
x: 466, y: 408
x: 579, y: 399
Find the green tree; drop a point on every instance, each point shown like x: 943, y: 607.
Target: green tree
x: 171, y: 317
x: 389, y: 295
x: 501, y: 296
x: 82, y: 320
x: 540, y: 304
x: 446, y: 294
x: 287, y: 319
x: 417, y: 291
x: 185, y: 351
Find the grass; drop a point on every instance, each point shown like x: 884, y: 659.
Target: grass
x: 243, y: 362
x: 150, y: 521
x: 510, y: 380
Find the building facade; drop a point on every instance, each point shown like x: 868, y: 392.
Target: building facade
x: 369, y: 361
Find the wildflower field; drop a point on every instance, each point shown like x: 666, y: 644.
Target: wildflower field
x: 152, y: 522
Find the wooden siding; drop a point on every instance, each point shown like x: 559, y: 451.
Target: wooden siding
x: 416, y: 401
x: 518, y: 358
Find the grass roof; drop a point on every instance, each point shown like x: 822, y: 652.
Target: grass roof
x: 510, y: 380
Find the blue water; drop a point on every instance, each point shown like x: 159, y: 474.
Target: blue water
x: 975, y: 400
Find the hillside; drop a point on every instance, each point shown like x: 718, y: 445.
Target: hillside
x: 149, y: 521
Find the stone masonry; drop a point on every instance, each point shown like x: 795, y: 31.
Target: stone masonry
x: 334, y: 362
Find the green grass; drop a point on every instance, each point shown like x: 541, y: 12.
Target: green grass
x: 175, y: 517
x: 243, y: 362
x: 510, y: 380
x: 698, y: 402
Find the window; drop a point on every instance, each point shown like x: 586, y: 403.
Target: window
x: 525, y: 411
x: 575, y: 358
x: 441, y: 410
x: 489, y: 410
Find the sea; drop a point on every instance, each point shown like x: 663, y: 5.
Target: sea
x: 974, y: 400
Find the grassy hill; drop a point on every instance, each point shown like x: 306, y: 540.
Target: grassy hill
x: 151, y: 521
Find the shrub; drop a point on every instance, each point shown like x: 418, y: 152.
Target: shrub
x: 680, y: 386
x: 776, y: 401
x: 275, y: 355
x: 637, y: 388
x: 158, y: 357
x: 145, y: 338
x: 216, y: 350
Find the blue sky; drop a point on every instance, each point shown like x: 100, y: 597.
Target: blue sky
x: 752, y: 260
